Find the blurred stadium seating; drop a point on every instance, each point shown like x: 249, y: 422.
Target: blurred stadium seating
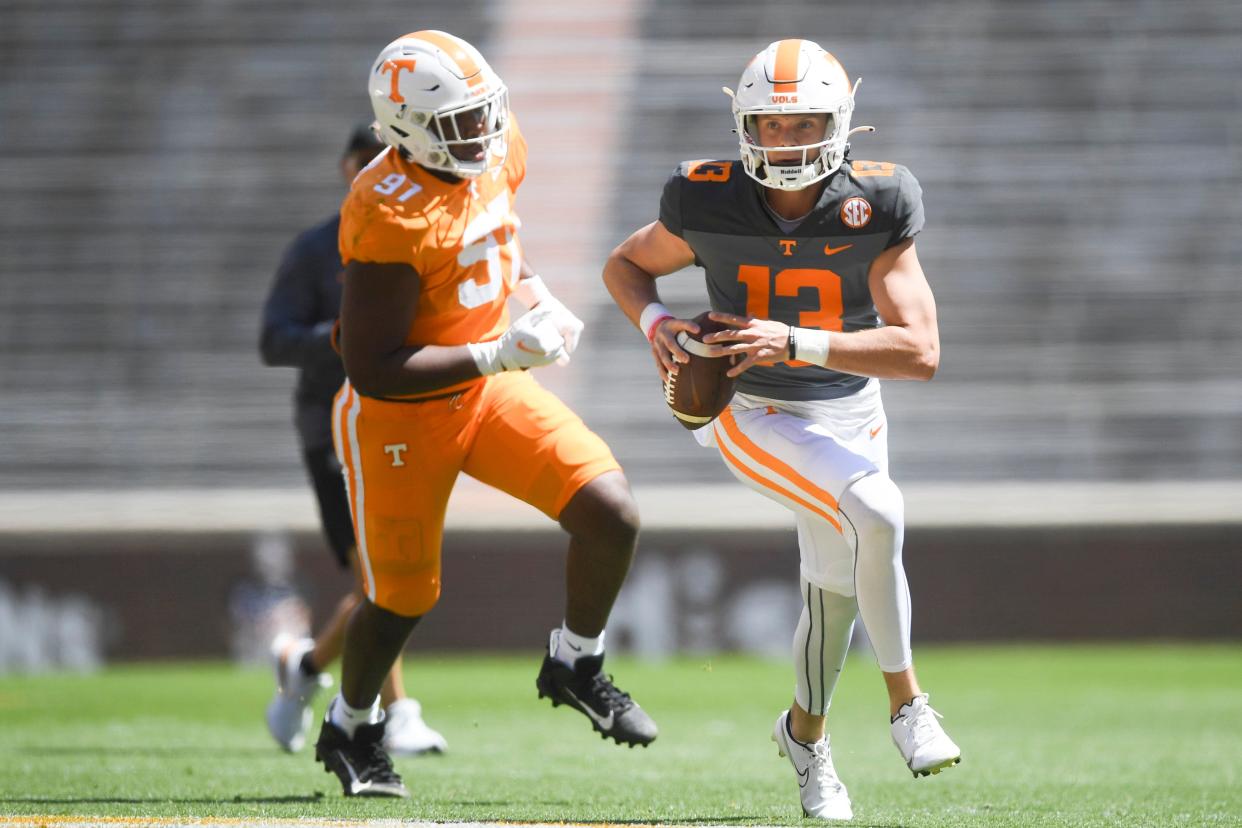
x: 1080, y: 163
x: 1081, y: 168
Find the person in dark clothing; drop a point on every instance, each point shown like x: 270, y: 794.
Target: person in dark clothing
x: 298, y: 317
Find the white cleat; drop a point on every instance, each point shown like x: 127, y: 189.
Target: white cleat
x: 823, y: 795
x: 289, y: 712
x: 922, y: 741
x: 405, y: 732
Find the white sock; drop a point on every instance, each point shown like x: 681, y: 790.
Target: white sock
x: 873, y: 508
x: 820, y: 645
x: 570, y: 646
x: 348, y: 718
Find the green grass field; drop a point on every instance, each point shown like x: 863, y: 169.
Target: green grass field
x: 1073, y: 736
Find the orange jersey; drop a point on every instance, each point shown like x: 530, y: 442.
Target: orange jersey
x: 461, y: 237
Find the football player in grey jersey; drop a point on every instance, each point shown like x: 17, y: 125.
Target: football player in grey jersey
x: 810, y: 259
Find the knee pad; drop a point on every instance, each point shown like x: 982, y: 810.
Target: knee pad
x: 874, y: 510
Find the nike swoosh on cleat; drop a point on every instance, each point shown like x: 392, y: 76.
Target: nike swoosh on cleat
x: 804, y: 776
x: 356, y: 786
x: 604, y: 722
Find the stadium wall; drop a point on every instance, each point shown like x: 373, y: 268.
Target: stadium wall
x: 74, y: 600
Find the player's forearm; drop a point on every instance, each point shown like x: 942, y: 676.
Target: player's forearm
x: 891, y: 352
x: 411, y: 370
x: 631, y: 287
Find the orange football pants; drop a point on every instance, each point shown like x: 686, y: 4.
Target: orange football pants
x: 401, y: 459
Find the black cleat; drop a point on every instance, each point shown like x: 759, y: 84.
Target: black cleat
x: 587, y: 689
x: 361, y: 764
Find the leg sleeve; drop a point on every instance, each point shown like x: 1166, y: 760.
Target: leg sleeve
x: 873, y: 513
x: 820, y: 645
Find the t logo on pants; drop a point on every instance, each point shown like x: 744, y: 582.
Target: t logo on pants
x: 395, y: 450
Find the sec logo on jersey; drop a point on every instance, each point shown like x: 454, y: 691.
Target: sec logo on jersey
x: 856, y: 212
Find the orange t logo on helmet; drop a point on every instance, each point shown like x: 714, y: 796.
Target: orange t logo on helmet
x: 395, y: 66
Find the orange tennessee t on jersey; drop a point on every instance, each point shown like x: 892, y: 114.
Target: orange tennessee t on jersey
x: 460, y: 237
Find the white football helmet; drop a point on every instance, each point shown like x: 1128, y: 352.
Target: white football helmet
x: 793, y: 77
x: 437, y: 100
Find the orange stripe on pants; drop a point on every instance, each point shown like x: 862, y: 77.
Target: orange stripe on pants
x: 769, y: 461
x: 733, y: 461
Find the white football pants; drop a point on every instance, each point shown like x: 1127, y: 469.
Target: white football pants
x: 827, y: 461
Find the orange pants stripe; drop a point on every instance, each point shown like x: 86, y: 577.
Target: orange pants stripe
x: 738, y: 465
x: 774, y: 463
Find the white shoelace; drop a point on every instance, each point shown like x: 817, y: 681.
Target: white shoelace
x: 922, y: 726
x: 821, y: 766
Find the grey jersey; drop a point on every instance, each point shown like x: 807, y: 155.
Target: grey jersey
x: 813, y: 276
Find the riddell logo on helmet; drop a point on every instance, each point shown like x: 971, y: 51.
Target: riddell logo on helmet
x: 784, y: 99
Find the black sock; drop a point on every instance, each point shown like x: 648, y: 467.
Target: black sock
x: 307, y: 665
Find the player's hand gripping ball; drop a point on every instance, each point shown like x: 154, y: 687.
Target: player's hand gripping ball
x: 699, y: 391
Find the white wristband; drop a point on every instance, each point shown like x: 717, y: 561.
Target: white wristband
x: 651, y: 316
x: 812, y: 346
x: 486, y: 357
x: 532, y: 291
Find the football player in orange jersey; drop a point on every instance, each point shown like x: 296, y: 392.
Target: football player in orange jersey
x: 805, y: 251
x: 438, y: 384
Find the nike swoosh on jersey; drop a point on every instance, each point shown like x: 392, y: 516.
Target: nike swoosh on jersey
x: 876, y: 430
x: 829, y: 250
x: 605, y: 722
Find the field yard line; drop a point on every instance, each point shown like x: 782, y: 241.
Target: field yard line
x: 64, y: 821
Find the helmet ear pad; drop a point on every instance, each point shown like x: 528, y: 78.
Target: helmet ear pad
x: 421, y: 143
x: 414, y: 140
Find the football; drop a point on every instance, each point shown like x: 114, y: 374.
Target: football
x: 699, y: 391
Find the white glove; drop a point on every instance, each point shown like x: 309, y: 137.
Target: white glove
x: 531, y: 341
x: 534, y: 293
x: 569, y: 326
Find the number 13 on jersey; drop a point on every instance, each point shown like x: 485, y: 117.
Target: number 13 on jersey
x: 760, y: 287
